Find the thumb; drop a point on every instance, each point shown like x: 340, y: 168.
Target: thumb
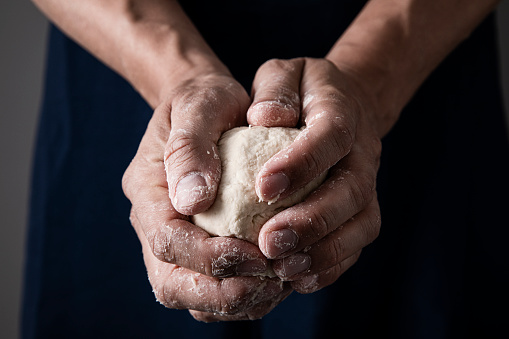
x: 193, y: 170
x: 276, y: 94
x: 192, y: 163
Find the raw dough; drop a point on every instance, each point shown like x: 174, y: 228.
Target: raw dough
x: 237, y: 210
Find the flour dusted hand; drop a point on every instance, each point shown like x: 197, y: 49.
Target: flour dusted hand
x: 237, y: 210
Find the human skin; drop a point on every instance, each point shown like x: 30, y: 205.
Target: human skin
x: 347, y: 101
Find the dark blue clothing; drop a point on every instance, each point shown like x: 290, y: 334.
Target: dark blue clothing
x: 438, y: 269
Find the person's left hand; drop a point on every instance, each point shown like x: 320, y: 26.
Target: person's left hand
x: 314, y: 242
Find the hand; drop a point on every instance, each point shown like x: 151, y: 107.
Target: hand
x: 314, y: 242
x: 182, y: 137
x: 210, y: 298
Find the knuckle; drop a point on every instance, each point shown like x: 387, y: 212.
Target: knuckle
x: 130, y: 179
x: 371, y: 232
x: 160, y: 244
x: 191, y: 97
x: 326, y: 96
x: 165, y: 300
x: 126, y: 181
x: 221, y: 262
x: 376, y: 146
x: 180, y: 145
x: 314, y: 163
x: 361, y: 190
x: 233, y: 297
x: 335, y: 145
x: 277, y: 90
x: 163, y: 294
x: 282, y: 97
x: 371, y: 227
x: 221, y: 267
x: 344, y: 128
x: 337, y: 251
x: 335, y: 116
x: 342, y: 136
x: 205, y: 100
x: 374, y: 150
x: 278, y: 64
x: 181, y: 152
x: 321, y: 222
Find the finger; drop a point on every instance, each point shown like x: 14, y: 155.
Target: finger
x: 331, y: 121
x: 336, y: 247
x: 199, y: 115
x: 179, y: 242
x: 255, y: 312
x: 184, y: 289
x: 314, y: 282
x: 180, y: 288
x: 276, y: 88
x: 349, y: 188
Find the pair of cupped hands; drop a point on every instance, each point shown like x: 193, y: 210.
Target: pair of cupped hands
x: 176, y: 172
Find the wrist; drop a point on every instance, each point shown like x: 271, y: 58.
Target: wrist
x: 374, y: 85
x: 161, y: 56
x: 392, y: 47
x: 175, y: 76
x: 373, y: 53
x: 151, y: 43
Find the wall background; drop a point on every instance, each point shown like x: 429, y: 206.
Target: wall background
x: 22, y: 41
x: 22, y: 51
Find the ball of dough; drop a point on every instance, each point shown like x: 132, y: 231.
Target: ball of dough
x: 237, y: 211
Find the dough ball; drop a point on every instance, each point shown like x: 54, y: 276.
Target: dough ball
x: 237, y: 211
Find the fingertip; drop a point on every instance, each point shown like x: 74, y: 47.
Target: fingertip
x: 270, y: 187
x: 193, y: 194
x: 277, y: 243
x: 273, y: 114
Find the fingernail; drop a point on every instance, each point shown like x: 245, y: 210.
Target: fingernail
x: 190, y: 190
x: 252, y: 267
x: 293, y: 265
x: 272, y: 186
x: 279, y: 242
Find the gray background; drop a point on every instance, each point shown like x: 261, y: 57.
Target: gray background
x: 22, y: 48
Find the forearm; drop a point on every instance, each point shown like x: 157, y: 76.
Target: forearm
x: 393, y: 45
x: 151, y: 43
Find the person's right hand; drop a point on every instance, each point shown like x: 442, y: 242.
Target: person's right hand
x: 177, y: 158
